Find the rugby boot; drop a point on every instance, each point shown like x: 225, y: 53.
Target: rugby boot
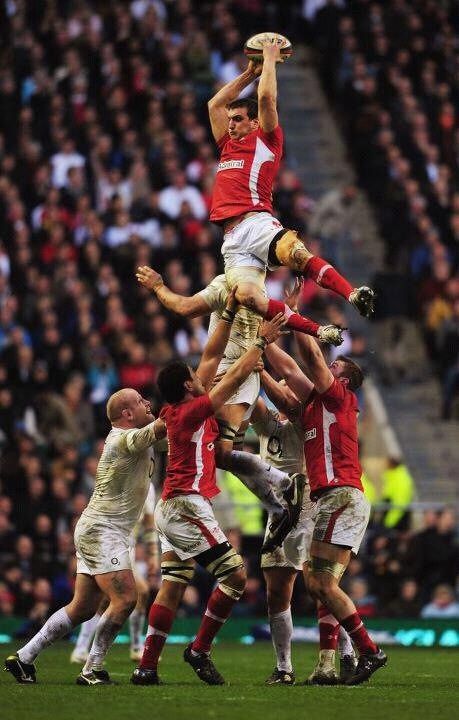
x: 78, y: 657
x: 363, y: 299
x: 324, y: 672
x: 23, y: 672
x: 135, y: 654
x: 95, y: 677
x: 283, y: 523
x: 203, y: 667
x: 281, y: 677
x: 347, y: 665
x: 331, y: 334
x: 144, y: 676
x: 366, y: 666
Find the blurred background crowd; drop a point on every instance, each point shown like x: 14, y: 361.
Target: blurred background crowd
x: 106, y: 163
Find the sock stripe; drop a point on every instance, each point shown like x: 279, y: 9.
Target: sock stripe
x: 322, y: 272
x: 215, y: 617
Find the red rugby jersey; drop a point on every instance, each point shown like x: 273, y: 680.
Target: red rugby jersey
x: 331, y: 440
x: 191, y: 433
x: 245, y: 174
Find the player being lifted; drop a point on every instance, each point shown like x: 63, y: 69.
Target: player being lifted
x: 184, y: 518
x: 233, y: 417
x: 250, y: 141
x: 103, y: 538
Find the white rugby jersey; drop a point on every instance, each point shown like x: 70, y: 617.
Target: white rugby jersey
x: 123, y: 478
x: 281, y: 442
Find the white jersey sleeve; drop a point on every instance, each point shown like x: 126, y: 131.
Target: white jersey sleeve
x: 140, y: 439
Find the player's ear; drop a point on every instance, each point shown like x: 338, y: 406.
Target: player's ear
x: 255, y: 123
x: 344, y: 380
x: 188, y: 385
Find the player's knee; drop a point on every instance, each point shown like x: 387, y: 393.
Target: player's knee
x: 237, y: 580
x: 290, y: 250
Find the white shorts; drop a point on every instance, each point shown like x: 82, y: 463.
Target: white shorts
x: 101, y: 549
x: 248, y: 242
x: 186, y: 525
x: 341, y: 517
x: 247, y: 392
x: 294, y: 551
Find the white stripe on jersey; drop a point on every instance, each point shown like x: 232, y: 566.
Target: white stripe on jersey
x: 262, y: 154
x: 328, y: 419
x: 197, y: 438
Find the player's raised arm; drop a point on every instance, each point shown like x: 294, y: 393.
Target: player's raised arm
x: 316, y: 367
x: 217, y: 104
x: 216, y: 344
x: 242, y: 368
x: 267, y: 87
x: 281, y: 395
x: 288, y: 369
x: 184, y: 305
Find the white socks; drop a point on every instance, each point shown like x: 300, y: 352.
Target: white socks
x: 281, y: 634
x: 136, y: 621
x: 58, y: 625
x: 87, y: 630
x: 261, y: 479
x: 106, y: 632
x: 344, y: 643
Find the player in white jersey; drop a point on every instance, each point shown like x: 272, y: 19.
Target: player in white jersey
x: 146, y: 533
x: 281, y: 438
x: 103, y: 537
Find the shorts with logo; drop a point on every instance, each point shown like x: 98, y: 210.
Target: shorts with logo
x: 341, y: 517
x: 248, y: 242
x: 101, y: 548
x: 294, y: 551
x: 186, y: 525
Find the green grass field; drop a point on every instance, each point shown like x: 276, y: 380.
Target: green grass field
x: 417, y: 683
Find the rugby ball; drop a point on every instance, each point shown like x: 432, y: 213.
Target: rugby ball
x: 254, y: 45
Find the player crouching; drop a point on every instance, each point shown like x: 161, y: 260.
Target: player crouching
x: 184, y: 518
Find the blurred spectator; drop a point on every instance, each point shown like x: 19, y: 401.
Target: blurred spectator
x: 407, y: 604
x: 398, y: 490
x: 443, y: 604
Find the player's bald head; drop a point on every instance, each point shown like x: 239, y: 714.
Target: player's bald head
x: 119, y: 401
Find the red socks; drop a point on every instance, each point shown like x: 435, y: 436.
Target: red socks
x: 294, y: 321
x: 160, y: 620
x: 328, y: 629
x: 326, y: 276
x: 359, y: 636
x: 218, y: 610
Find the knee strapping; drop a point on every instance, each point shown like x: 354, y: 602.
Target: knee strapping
x: 177, y: 571
x: 226, y: 432
x: 226, y: 564
x: 291, y: 251
x: 230, y: 591
x: 322, y: 565
x: 238, y: 442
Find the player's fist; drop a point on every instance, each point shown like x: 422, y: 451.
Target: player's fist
x: 231, y: 303
x: 255, y: 67
x: 149, y: 278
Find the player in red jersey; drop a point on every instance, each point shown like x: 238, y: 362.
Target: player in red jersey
x: 334, y: 472
x: 184, y: 518
x: 250, y: 141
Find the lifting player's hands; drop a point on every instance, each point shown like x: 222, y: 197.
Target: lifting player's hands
x: 293, y: 292
x: 149, y: 278
x: 271, y: 330
x: 231, y: 302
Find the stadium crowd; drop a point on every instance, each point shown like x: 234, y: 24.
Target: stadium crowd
x: 106, y: 164
x: 391, y: 71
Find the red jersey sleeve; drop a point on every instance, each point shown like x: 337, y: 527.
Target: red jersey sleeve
x: 274, y: 139
x: 334, y: 396
x: 196, y: 411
